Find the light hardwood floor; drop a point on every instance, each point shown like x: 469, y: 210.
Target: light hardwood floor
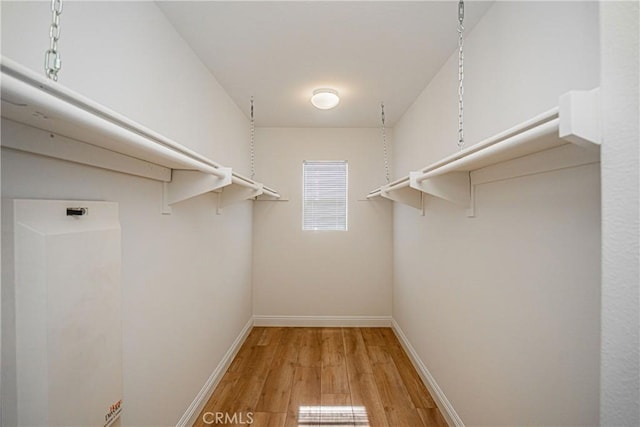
x: 321, y: 377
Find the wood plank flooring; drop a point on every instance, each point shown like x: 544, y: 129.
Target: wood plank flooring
x: 321, y: 377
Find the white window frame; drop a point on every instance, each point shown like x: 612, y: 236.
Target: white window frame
x: 327, y: 226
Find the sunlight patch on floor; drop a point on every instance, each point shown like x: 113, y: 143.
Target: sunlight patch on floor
x: 338, y: 416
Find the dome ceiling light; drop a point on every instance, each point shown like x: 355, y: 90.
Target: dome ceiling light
x: 325, y: 99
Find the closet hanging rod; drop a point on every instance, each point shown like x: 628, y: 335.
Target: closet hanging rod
x: 538, y: 120
x: 270, y: 192
x: 575, y: 121
x: 246, y: 182
x: 249, y: 183
x: 544, y: 124
x: 34, y: 101
x: 24, y: 90
x: 547, y: 129
x: 398, y: 183
x: 404, y: 182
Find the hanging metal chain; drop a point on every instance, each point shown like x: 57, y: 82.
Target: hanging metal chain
x: 252, y: 146
x: 384, y: 145
x: 52, y: 60
x: 460, y: 74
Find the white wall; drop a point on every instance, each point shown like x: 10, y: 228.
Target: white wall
x: 324, y: 273
x: 503, y: 309
x: 620, y: 376
x: 186, y: 277
x: 127, y: 56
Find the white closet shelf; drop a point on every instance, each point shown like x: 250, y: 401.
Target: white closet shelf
x: 574, y: 121
x: 83, y: 131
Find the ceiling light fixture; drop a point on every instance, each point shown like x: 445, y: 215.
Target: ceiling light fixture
x: 325, y: 99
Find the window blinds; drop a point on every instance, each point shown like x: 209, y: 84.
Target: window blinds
x: 324, y: 195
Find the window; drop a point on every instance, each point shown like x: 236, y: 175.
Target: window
x: 324, y: 199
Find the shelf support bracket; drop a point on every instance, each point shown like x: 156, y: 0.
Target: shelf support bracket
x: 405, y: 195
x: 579, y: 118
x: 471, y: 211
x: 454, y: 187
x: 237, y: 193
x: 186, y: 184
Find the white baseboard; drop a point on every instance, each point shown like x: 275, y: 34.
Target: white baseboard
x: 452, y: 417
x: 323, y: 321
x: 205, y: 393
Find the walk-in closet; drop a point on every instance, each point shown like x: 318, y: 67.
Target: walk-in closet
x: 320, y: 213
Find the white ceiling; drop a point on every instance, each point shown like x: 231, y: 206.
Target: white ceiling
x: 279, y: 52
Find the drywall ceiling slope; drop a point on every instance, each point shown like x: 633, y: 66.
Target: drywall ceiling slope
x: 279, y: 52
